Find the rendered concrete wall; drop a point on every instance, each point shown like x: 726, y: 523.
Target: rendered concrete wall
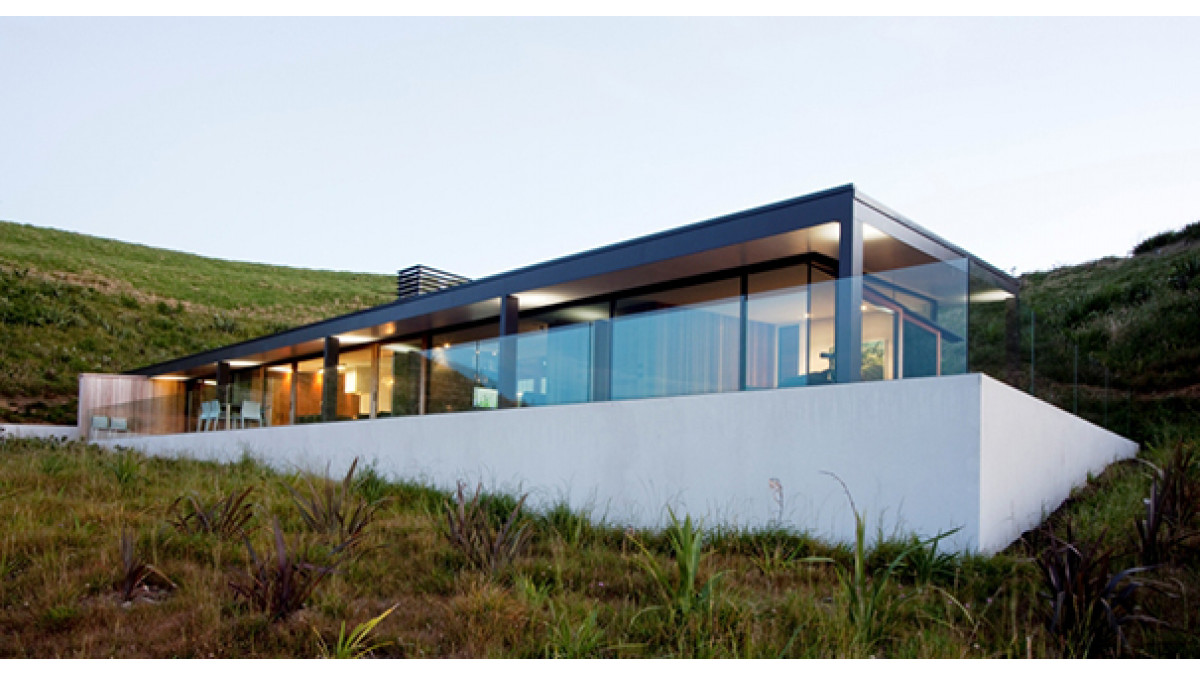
x: 909, y: 451
x: 1033, y: 454
x: 39, y: 431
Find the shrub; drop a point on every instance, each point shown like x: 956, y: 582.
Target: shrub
x: 135, y: 572
x: 279, y: 586
x: 125, y: 467
x: 1189, y: 233
x: 226, y: 517
x: 568, y: 640
x: 924, y: 565
x: 867, y: 608
x: 1170, y: 509
x: 486, y: 544
x: 1089, y: 606
x: 354, y: 645
x: 371, y: 485
x: 335, y: 509
x: 678, y: 590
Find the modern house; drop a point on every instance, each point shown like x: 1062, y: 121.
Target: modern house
x: 724, y: 368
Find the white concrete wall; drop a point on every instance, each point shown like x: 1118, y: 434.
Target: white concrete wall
x: 907, y: 450
x: 39, y: 431
x: 919, y: 456
x: 1033, y: 454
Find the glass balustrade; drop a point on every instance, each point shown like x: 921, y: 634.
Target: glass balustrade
x: 926, y: 321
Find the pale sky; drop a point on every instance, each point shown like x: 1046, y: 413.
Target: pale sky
x: 481, y: 145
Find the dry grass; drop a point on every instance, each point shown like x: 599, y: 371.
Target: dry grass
x: 579, y: 589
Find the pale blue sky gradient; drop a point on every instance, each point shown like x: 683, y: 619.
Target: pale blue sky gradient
x: 480, y: 145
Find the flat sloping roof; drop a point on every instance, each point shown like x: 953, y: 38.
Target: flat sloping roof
x: 479, y: 299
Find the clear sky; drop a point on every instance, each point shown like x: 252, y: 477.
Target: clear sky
x: 481, y: 145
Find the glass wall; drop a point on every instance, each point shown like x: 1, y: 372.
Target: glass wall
x: 464, y: 370
x: 682, y: 341
x: 707, y: 337
x: 554, y: 366
x: 789, y: 327
x: 356, y: 384
x: 915, y: 321
x: 401, y: 376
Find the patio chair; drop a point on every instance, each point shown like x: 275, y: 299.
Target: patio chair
x: 99, y: 423
x: 210, y: 412
x: 251, y: 412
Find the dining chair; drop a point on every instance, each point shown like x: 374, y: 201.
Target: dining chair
x: 251, y: 412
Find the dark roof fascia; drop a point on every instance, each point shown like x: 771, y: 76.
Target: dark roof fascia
x: 740, y: 227
x: 1002, y: 278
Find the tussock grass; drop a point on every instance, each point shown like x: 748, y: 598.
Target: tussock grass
x: 579, y: 589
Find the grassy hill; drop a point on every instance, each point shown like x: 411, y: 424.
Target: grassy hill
x: 71, y: 303
x: 1138, y: 315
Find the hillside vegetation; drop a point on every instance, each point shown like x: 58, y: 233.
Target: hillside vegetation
x: 72, y: 303
x: 476, y: 577
x: 1138, y: 315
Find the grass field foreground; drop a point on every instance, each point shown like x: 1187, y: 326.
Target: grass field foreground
x: 573, y: 587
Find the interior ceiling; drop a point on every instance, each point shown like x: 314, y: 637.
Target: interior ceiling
x: 818, y: 239
x: 882, y: 252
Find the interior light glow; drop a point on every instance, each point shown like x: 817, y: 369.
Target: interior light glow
x: 171, y: 378
x: 243, y: 364
x: 871, y: 233
x: 352, y: 339
x: 211, y: 383
x: 351, y: 382
x: 280, y: 369
x: 993, y: 295
x: 829, y: 232
x: 530, y: 299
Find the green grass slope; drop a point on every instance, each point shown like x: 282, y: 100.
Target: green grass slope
x: 1138, y: 315
x: 71, y: 303
x: 578, y: 589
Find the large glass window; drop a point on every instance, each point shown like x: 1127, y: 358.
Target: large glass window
x: 400, y: 378
x: 356, y: 384
x: 789, y: 328
x: 464, y: 371
x: 554, y: 366
x: 682, y: 341
x: 914, y: 321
